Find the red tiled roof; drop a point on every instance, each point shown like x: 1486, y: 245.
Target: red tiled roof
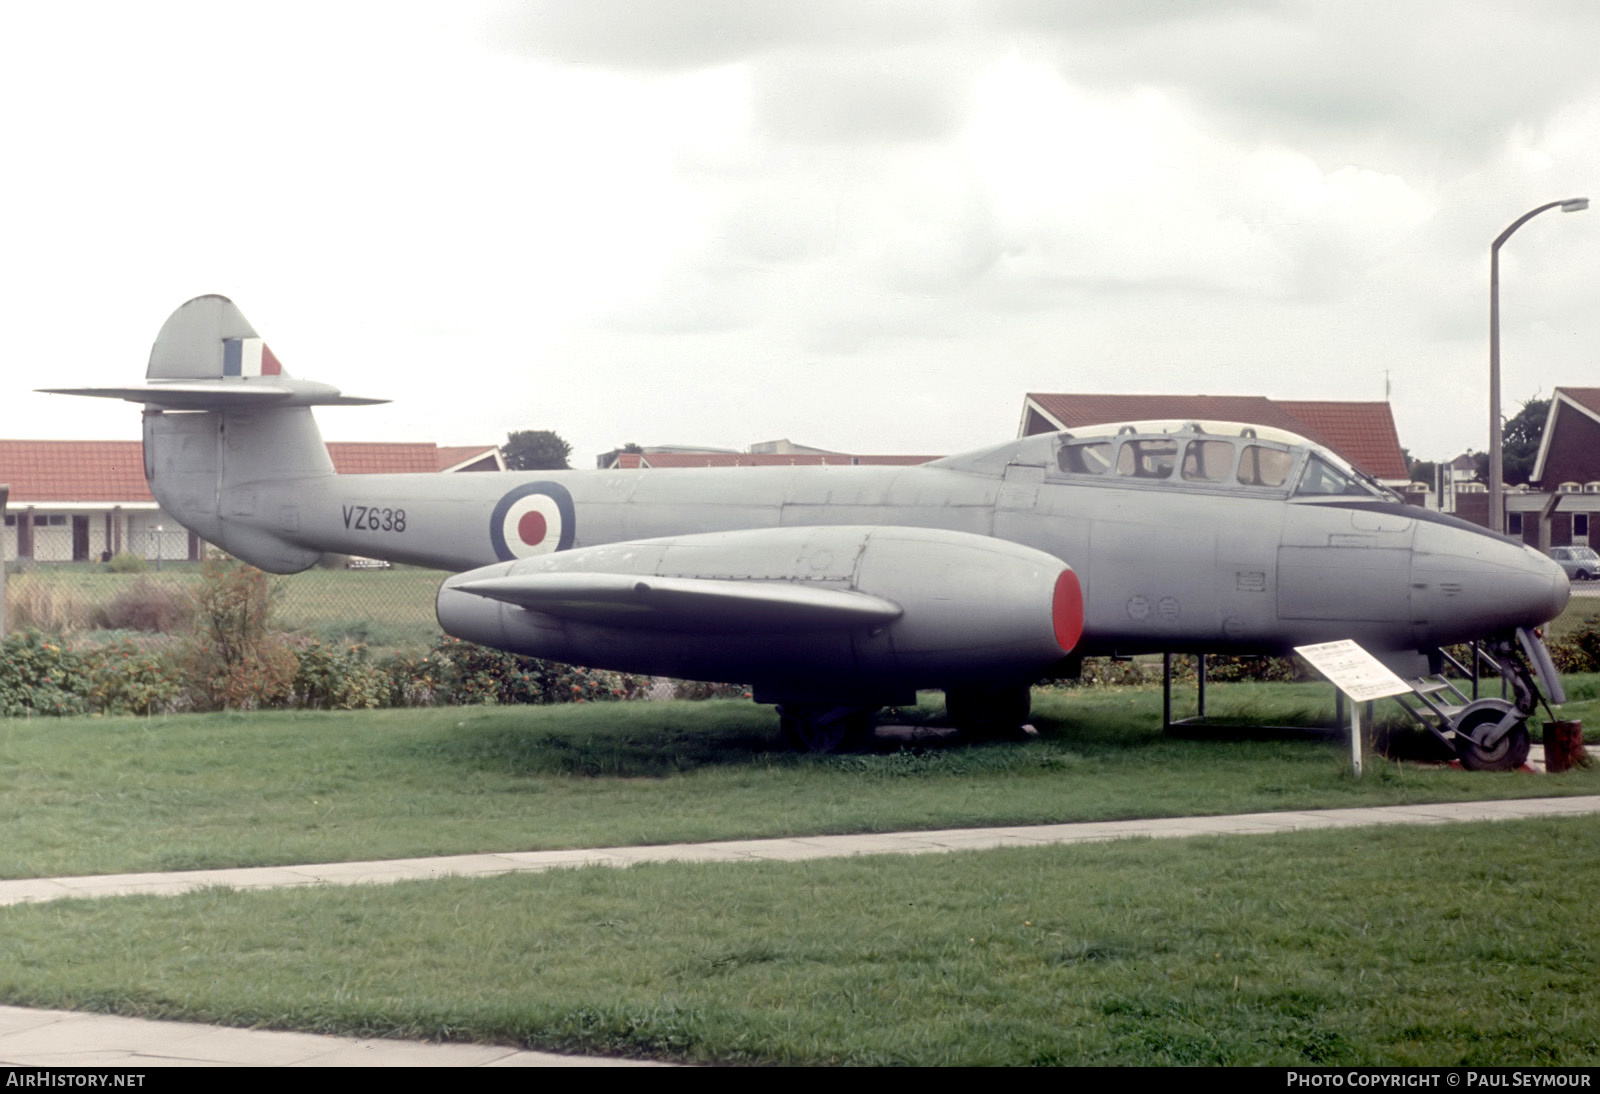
x: 383, y: 459
x: 1362, y: 433
x: 103, y: 471
x: 453, y: 455
x: 113, y: 471
x: 1079, y: 410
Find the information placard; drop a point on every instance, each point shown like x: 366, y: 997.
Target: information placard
x: 1353, y: 670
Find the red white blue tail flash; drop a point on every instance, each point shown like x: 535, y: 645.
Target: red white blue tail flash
x: 248, y: 357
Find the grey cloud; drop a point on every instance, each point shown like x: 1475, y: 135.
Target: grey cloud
x: 668, y: 35
x: 858, y: 98
x: 1440, y: 79
x: 1097, y: 16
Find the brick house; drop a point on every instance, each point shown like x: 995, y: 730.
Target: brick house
x: 1564, y: 489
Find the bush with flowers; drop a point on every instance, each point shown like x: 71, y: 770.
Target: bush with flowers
x: 41, y: 676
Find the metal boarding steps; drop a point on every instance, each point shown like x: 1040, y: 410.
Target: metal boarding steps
x: 1488, y: 733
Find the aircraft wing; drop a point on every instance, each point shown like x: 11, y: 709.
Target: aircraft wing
x: 686, y: 603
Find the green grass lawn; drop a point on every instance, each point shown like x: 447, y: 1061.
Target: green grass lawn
x: 1581, y: 611
x: 1471, y: 944
x: 107, y: 795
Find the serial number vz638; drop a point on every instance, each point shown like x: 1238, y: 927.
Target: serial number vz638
x: 363, y: 518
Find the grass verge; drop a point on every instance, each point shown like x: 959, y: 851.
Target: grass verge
x: 1461, y: 945
x: 108, y: 795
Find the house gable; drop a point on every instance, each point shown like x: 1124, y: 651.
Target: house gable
x: 1569, y: 451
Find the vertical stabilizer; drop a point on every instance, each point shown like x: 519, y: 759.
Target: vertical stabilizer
x: 229, y: 439
x: 207, y: 338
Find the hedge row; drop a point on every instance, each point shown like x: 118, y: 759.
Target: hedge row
x: 39, y: 675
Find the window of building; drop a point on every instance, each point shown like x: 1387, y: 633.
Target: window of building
x: 1514, y: 524
x: 1580, y: 525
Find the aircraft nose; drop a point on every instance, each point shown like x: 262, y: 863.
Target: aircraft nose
x: 1559, y: 587
x: 1467, y: 584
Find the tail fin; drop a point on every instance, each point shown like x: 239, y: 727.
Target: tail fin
x: 209, y: 338
x: 243, y: 430
x: 209, y: 357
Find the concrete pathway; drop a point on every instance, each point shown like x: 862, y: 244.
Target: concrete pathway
x: 63, y: 1039
x: 59, y: 1038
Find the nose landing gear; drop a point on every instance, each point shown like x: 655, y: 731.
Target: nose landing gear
x: 1487, y: 734
x: 1509, y: 749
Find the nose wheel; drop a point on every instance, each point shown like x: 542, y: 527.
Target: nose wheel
x: 1507, y: 754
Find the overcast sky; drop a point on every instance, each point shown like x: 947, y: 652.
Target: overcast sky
x: 867, y: 226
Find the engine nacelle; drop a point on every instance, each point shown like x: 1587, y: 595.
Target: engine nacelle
x: 798, y: 612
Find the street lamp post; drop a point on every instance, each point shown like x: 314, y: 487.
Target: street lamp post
x: 1497, y: 516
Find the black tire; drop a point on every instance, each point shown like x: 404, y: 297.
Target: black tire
x: 814, y: 727
x: 989, y: 713
x: 1581, y: 575
x: 1510, y: 754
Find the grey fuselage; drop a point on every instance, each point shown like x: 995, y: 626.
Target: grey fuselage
x: 1165, y: 563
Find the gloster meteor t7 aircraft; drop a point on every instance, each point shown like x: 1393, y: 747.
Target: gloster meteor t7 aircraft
x: 835, y: 590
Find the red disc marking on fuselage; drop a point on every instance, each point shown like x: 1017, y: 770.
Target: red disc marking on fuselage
x: 532, y: 528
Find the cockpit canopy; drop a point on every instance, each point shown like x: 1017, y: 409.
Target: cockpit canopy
x: 1210, y: 455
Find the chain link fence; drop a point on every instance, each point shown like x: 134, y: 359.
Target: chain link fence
x: 385, y: 608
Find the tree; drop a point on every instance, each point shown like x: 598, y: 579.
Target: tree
x: 536, y: 450
x: 1419, y: 470
x: 1519, y: 443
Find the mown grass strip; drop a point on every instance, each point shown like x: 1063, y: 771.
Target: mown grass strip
x: 111, y: 795
x: 1471, y: 944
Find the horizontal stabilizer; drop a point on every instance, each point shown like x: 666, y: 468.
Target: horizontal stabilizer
x: 223, y: 394
x: 674, y: 603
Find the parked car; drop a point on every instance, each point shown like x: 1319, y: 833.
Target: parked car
x: 1581, y: 563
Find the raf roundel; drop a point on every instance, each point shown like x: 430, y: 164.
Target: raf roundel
x: 534, y: 519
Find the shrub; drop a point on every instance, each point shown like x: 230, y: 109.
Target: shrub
x: 36, y: 603
x: 126, y: 562
x: 145, y: 606
x: 1579, y: 650
x: 233, y: 659
x: 1223, y: 668
x: 700, y: 689
x: 125, y: 679
x: 456, y: 672
x: 40, y: 676
x: 329, y: 677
